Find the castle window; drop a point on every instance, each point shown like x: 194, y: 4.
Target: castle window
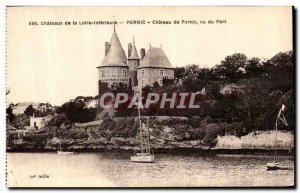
x: 103, y: 73
x: 124, y: 73
x: 160, y: 81
x: 114, y: 72
x: 161, y: 72
x: 108, y: 72
x: 143, y: 72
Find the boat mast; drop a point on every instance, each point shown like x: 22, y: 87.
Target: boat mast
x: 276, y: 129
x: 148, y: 142
x: 140, y: 123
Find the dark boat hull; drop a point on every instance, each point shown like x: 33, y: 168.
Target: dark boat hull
x: 273, y: 168
x: 276, y: 166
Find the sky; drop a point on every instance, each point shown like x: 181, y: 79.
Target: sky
x: 55, y: 63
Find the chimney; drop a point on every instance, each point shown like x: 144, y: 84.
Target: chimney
x: 107, y: 46
x: 129, y: 49
x: 142, y: 53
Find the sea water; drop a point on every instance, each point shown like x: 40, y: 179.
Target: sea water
x: 169, y: 170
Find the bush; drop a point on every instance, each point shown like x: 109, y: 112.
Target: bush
x: 77, y: 112
x: 58, y: 120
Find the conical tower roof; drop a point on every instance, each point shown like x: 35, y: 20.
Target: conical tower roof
x: 134, y: 54
x: 116, y: 55
x: 155, y: 58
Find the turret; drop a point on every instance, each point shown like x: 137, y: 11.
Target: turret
x: 129, y: 49
x: 113, y: 69
x: 133, y: 63
x: 142, y: 53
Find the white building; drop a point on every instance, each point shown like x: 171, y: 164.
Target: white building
x: 37, y: 122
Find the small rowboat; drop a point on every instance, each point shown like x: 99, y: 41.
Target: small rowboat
x: 64, y: 152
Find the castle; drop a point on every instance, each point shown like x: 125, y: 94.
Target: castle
x: 133, y: 71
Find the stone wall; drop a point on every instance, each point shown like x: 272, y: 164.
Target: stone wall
x: 147, y: 76
x: 113, y: 75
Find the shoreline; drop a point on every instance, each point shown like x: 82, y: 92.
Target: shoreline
x: 182, y: 151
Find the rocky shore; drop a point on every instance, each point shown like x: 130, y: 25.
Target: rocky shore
x: 167, y: 134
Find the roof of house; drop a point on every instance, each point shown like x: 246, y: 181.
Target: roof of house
x: 155, y: 58
x: 27, y: 104
x: 9, y: 127
x: 116, y: 54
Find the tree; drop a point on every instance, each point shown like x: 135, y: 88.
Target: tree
x: 232, y: 67
x: 283, y: 59
x: 156, y: 86
x: 58, y: 119
x: 205, y: 74
x: 76, y: 111
x: 179, y: 74
x: 281, y: 68
x: 103, y: 87
x: 169, y: 85
x: 9, y: 113
x: 191, y: 78
x: 254, y: 68
x: 188, y: 72
x: 193, y: 85
x: 29, y: 110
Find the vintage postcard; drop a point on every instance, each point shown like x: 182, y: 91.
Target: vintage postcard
x: 150, y: 97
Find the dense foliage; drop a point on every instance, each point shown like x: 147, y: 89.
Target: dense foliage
x: 240, y: 90
x: 76, y: 111
x: 240, y: 94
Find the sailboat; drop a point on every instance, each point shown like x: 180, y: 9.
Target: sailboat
x: 61, y: 152
x: 146, y: 155
x: 280, y: 117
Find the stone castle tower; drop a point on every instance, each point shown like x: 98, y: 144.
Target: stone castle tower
x: 135, y: 71
x: 133, y: 63
x: 114, y: 68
